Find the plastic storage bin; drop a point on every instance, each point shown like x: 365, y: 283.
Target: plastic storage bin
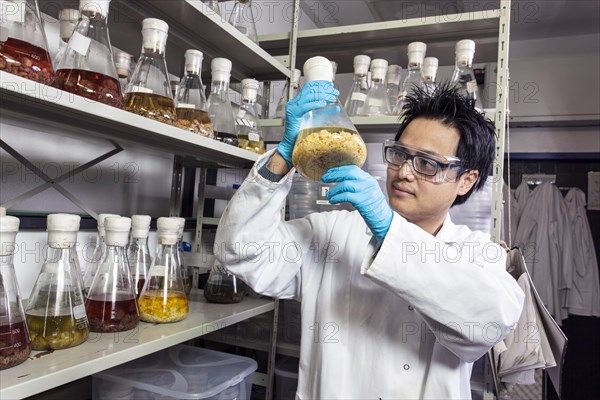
x: 286, y: 378
x: 180, y: 372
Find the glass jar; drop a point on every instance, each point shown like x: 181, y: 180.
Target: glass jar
x: 224, y: 287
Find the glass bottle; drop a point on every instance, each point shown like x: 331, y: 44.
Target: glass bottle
x: 149, y: 91
x: 248, y: 130
x: 55, y: 312
x: 394, y: 75
x: 327, y: 138
x: 190, y: 105
x: 97, y: 255
x: 15, y: 342
x: 223, y: 287
x: 23, y: 45
x: 123, y: 63
x: 414, y: 77
x: 242, y: 18
x: 430, y: 67
x: 358, y: 91
x: 163, y: 297
x: 213, y: 5
x: 138, y: 253
x: 377, y: 102
x: 87, y: 67
x: 294, y: 83
x: 111, y: 305
x: 186, y: 274
x: 67, y: 21
x: 463, y: 76
x: 219, y: 105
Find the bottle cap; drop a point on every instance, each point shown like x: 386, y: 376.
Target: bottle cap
x: 122, y: 62
x: 140, y: 226
x: 117, y: 230
x: 379, y: 69
x: 101, y: 219
x: 249, y: 89
x: 393, y: 74
x: 9, y: 226
x: 193, y: 60
x: 465, y: 50
x: 168, y: 230
x: 318, y: 68
x: 416, y: 52
x: 296, y: 73
x: 95, y: 6
x: 68, y: 18
x: 155, y: 33
x: 361, y: 64
x: 220, y: 69
x: 62, y: 230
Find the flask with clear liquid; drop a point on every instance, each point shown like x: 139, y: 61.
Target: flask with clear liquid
x: 111, y: 305
x: 123, y: 62
x: 15, y: 342
x: 248, y: 129
x: 23, y: 45
x: 67, y: 21
x: 430, y: 67
x: 213, y: 5
x: 414, y: 77
x: 394, y: 75
x: 138, y: 253
x: 219, y: 105
x: 463, y: 76
x: 87, y: 68
x: 294, y: 84
x: 149, y: 91
x: 327, y: 138
x: 55, y: 312
x: 94, y: 259
x: 163, y: 297
x: 186, y: 273
x: 190, y: 105
x: 376, y: 102
x: 358, y: 92
x: 242, y: 18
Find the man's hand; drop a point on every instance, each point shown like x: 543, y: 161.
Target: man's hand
x: 362, y: 191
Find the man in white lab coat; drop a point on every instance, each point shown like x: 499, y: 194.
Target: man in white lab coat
x: 397, y: 302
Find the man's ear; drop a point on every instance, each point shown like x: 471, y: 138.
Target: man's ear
x: 467, y: 181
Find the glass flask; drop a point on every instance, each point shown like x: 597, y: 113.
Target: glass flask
x: 219, y: 105
x: 294, y: 83
x: 111, y: 305
x: 393, y: 84
x: 93, y: 260
x: 430, y: 67
x: 15, y: 342
x: 223, y: 287
x: 186, y: 273
x: 149, y: 91
x: 23, y: 45
x: 55, y: 312
x: 358, y: 91
x: 174, y: 82
x: 67, y: 21
x: 463, y: 76
x: 248, y: 130
x: 242, y: 18
x: 377, y: 102
x: 414, y: 77
x: 213, y: 5
x: 163, y: 297
x: 327, y: 138
x: 190, y: 105
x: 87, y: 67
x: 138, y: 253
x: 123, y: 63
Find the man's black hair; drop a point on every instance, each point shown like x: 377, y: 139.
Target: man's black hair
x: 476, y: 147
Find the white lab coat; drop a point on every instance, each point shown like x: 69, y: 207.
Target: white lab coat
x: 404, y: 320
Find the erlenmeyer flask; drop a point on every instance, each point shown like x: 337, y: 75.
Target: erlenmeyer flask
x: 67, y: 21
x: 23, y: 45
x: 163, y: 297
x: 248, y: 130
x: 213, y: 5
x: 327, y: 137
x: 358, y: 92
x: 463, y: 76
x: 111, y: 305
x: 186, y: 276
x: 377, y: 102
x: 87, y: 67
x: 430, y: 66
x: 285, y: 96
x: 190, y: 105
x: 394, y: 75
x: 149, y: 92
x: 219, y: 105
x: 93, y: 260
x: 138, y: 253
x: 55, y: 312
x: 123, y: 63
x: 15, y: 342
x: 242, y: 17
x: 414, y: 78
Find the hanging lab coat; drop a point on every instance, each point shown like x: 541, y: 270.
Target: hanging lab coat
x: 584, y: 296
x: 401, y: 320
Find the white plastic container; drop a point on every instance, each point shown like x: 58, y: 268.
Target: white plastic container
x: 286, y: 378
x: 179, y: 372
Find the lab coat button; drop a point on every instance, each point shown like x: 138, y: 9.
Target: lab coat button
x: 411, y: 308
x: 406, y: 367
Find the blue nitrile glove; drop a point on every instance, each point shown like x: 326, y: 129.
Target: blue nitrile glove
x: 363, y: 192
x: 313, y: 95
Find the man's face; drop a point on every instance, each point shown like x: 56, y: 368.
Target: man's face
x: 420, y: 199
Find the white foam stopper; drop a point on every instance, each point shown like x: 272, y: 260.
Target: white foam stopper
x: 430, y: 66
x: 296, y: 73
x: 122, y: 62
x: 361, y: 64
x: 193, y: 61
x: 101, y: 219
x: 95, y: 6
x: 68, y: 18
x: 393, y: 74
x: 378, y: 69
x: 168, y: 230
x: 318, y: 69
x: 220, y: 69
x: 2, y: 211
x: 62, y: 230
x: 249, y: 89
x: 465, y: 50
x: 181, y: 222
x: 117, y: 230
x: 9, y: 226
x: 416, y: 52
x: 140, y: 226
x: 155, y: 33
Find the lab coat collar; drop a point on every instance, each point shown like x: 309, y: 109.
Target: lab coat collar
x: 448, y: 230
